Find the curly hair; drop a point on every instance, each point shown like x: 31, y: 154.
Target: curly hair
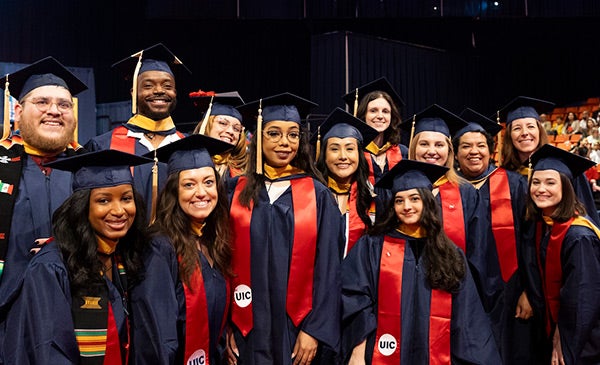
x: 445, y: 266
x: 303, y: 160
x: 393, y: 133
x: 510, y: 155
x: 361, y: 176
x: 237, y: 158
x: 569, y: 206
x: 172, y: 222
x: 76, y: 240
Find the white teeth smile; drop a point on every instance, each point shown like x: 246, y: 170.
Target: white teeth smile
x: 226, y: 139
x: 201, y: 204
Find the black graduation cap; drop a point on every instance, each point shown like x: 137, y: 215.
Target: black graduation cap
x: 190, y: 152
x: 154, y: 58
x: 284, y: 107
x: 342, y: 124
x: 382, y: 84
x: 435, y: 119
x: 549, y: 157
x: 523, y: 107
x: 47, y: 71
x: 411, y: 174
x: 477, y: 123
x: 98, y: 169
x: 212, y: 103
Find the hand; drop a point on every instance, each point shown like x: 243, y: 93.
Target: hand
x: 231, y: 351
x: 557, y: 354
x: 524, y: 310
x: 305, y: 349
x: 39, y: 243
x: 358, y: 354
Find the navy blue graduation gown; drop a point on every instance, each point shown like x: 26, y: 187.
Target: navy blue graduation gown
x: 273, y: 335
x: 471, y: 338
x: 515, y: 337
x: 159, y: 312
x: 40, y: 324
x: 142, y: 174
x: 579, y: 313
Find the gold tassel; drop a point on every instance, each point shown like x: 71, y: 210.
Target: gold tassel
x: 318, y: 142
x: 412, y: 131
x: 76, y: 116
x: 206, y: 115
x: 6, y: 122
x: 259, y: 152
x: 529, y: 171
x: 154, y: 189
x: 499, y: 154
x: 356, y: 102
x: 135, y: 77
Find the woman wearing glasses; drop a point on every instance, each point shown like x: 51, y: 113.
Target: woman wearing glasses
x: 223, y: 121
x: 287, y: 230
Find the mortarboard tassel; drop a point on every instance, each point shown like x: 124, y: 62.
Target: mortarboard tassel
x: 259, y: 163
x: 135, y: 77
x: 412, y: 131
x: 499, y: 154
x: 6, y: 121
x: 529, y: 170
x: 154, y: 189
x: 206, y: 115
x: 355, y: 102
x: 318, y: 148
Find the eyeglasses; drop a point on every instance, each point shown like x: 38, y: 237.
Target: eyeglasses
x: 44, y: 104
x: 225, y: 123
x: 274, y: 135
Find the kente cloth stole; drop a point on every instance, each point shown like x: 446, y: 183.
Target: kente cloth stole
x: 453, y: 214
x: 96, y: 330
x: 300, y: 279
x: 503, y: 225
x: 197, y: 336
x: 12, y: 156
x: 389, y: 322
x: 393, y: 155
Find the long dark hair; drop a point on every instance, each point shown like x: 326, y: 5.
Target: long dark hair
x: 303, y: 160
x: 393, y: 133
x: 76, y: 240
x: 361, y: 176
x: 172, y: 222
x: 568, y: 207
x: 444, y: 265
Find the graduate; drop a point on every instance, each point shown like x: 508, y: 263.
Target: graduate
x: 525, y: 134
x: 151, y: 73
x: 184, y: 297
x: 223, y: 121
x: 568, y: 247
x: 407, y: 292
x: 342, y: 138
x: 287, y: 235
x: 73, y: 304
x: 503, y: 194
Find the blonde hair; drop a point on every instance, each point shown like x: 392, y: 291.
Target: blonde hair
x: 237, y: 158
x: 451, y: 175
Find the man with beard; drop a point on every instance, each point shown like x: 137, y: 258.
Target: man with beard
x: 30, y: 191
x: 153, y: 99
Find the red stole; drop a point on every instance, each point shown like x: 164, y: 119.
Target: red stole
x: 452, y: 213
x: 393, y: 155
x: 113, y: 343
x: 389, y: 322
x: 356, y: 226
x: 197, y: 335
x: 300, y: 279
x: 503, y: 226
x: 552, y: 274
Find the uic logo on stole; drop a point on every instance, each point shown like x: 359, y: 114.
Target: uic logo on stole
x: 197, y: 358
x: 91, y: 303
x: 387, y: 344
x: 242, y: 295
